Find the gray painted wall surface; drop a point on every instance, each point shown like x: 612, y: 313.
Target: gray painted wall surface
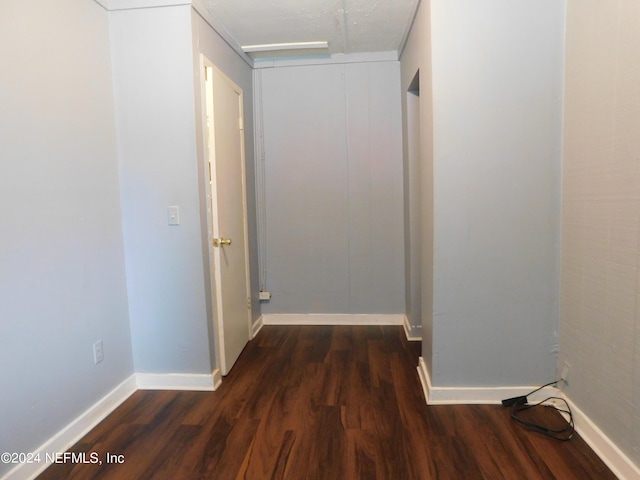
x: 600, y: 301
x: 154, y: 92
x: 413, y: 211
x: 497, y: 95
x: 153, y: 71
x: 62, y: 278
x: 418, y: 161
x: 334, y: 198
x: 156, y: 56
x: 496, y: 139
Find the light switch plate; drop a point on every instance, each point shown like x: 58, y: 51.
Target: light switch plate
x: 173, y: 213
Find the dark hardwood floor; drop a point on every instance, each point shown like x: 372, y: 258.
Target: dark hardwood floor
x: 321, y: 403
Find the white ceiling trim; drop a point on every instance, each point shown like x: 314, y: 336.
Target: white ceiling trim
x: 407, y: 29
x: 336, y: 58
x: 198, y: 5
x: 103, y: 3
x: 201, y: 9
x: 114, y: 5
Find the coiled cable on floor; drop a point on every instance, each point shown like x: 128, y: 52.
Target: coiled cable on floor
x: 520, y: 404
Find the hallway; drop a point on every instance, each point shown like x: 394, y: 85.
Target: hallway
x: 336, y: 402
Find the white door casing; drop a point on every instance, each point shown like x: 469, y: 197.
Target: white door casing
x: 228, y: 241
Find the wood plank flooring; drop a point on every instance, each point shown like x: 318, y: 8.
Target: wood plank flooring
x: 331, y: 403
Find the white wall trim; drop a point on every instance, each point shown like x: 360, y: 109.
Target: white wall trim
x: 619, y: 463
x: 179, y: 381
x: 390, y: 56
x: 113, y: 5
x: 103, y: 3
x: 332, y: 319
x: 425, y: 379
x: 257, y: 326
x: 201, y: 9
x: 602, y: 445
x: 408, y: 330
x: 198, y: 5
x: 469, y: 395
x: 407, y: 28
x: 74, y: 431
x: 78, y: 428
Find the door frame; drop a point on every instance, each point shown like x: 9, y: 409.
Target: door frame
x: 207, y: 69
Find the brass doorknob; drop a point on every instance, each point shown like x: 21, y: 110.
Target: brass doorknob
x: 221, y: 242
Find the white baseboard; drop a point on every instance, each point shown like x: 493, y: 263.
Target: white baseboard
x: 611, y: 455
x: 425, y: 379
x: 408, y: 331
x: 332, y: 319
x: 74, y: 431
x: 256, y: 327
x: 179, y: 381
x: 79, y: 427
x: 602, y: 445
x: 336, y: 319
x: 467, y: 395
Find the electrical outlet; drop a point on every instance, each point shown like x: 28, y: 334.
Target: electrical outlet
x: 564, y: 373
x: 98, y: 352
x: 265, y: 296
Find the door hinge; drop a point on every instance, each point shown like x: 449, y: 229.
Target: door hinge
x: 248, y: 303
x: 241, y: 123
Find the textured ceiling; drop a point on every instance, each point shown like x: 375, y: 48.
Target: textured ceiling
x: 350, y: 26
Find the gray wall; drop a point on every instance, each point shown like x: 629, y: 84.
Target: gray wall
x: 496, y: 159
x: 600, y: 306
x: 333, y: 188
x: 153, y: 72
x: 70, y: 155
x: 62, y: 278
x: 156, y: 56
x: 418, y: 165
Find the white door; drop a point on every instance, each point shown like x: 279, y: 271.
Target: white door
x: 228, y: 232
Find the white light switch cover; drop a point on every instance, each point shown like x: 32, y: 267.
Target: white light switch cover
x: 173, y: 213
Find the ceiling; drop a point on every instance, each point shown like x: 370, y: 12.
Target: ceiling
x: 349, y: 26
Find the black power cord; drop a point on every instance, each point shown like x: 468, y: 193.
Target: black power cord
x: 520, y: 404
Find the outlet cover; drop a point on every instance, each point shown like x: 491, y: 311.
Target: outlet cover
x: 564, y: 373
x: 98, y: 352
x: 265, y: 296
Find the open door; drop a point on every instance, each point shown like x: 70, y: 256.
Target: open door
x: 228, y: 221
